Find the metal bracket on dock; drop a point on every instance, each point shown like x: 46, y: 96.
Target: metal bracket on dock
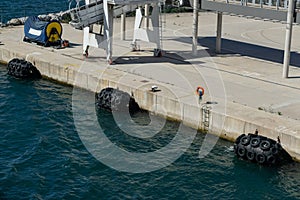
x: 145, y: 33
x: 102, y: 12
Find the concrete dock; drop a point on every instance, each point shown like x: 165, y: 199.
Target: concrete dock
x: 244, y: 83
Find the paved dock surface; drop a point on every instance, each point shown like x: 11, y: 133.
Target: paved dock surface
x: 245, y: 79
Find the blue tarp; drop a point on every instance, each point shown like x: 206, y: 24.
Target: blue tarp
x: 35, y: 30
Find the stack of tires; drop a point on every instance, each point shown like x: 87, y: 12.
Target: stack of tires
x: 260, y: 149
x: 20, y: 68
x: 116, y: 100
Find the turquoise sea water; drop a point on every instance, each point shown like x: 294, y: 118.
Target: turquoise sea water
x: 42, y: 157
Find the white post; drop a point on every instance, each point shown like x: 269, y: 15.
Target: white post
x: 195, y: 26
x: 219, y: 32
x: 288, y: 39
x: 270, y: 3
x: 123, y: 26
x: 86, y: 31
x: 155, y: 24
x: 146, y: 16
x: 108, y: 27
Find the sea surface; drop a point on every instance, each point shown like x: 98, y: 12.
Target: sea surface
x: 43, y: 157
x: 21, y: 8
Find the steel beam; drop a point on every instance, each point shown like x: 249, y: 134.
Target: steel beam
x: 265, y: 13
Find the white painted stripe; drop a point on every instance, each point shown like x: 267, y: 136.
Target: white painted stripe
x: 285, y: 104
x: 35, y: 32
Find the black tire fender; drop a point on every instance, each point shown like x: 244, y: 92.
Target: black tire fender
x: 20, y: 68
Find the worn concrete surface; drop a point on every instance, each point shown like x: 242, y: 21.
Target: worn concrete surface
x: 245, y: 79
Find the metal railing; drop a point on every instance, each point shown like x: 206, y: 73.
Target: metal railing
x: 272, y: 4
x: 261, y: 9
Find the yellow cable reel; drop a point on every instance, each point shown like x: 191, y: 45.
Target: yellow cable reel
x: 54, y: 31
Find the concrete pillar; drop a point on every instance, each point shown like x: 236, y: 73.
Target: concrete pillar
x: 195, y: 26
x: 219, y: 32
x: 270, y: 3
x: 288, y: 39
x: 123, y: 26
x: 147, y: 16
x: 286, y: 3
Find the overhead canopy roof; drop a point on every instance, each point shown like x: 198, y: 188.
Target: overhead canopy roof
x: 133, y: 2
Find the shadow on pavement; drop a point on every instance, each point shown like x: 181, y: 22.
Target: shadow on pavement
x: 250, y: 50
x: 140, y: 59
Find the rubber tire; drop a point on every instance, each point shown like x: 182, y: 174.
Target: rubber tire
x: 274, y: 150
x: 235, y: 147
x: 253, y: 143
x: 241, y: 151
x: 260, y: 158
x: 250, y: 155
x: 238, y: 139
x: 245, y: 140
x: 271, y: 159
x: 278, y: 146
x: 265, y: 145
